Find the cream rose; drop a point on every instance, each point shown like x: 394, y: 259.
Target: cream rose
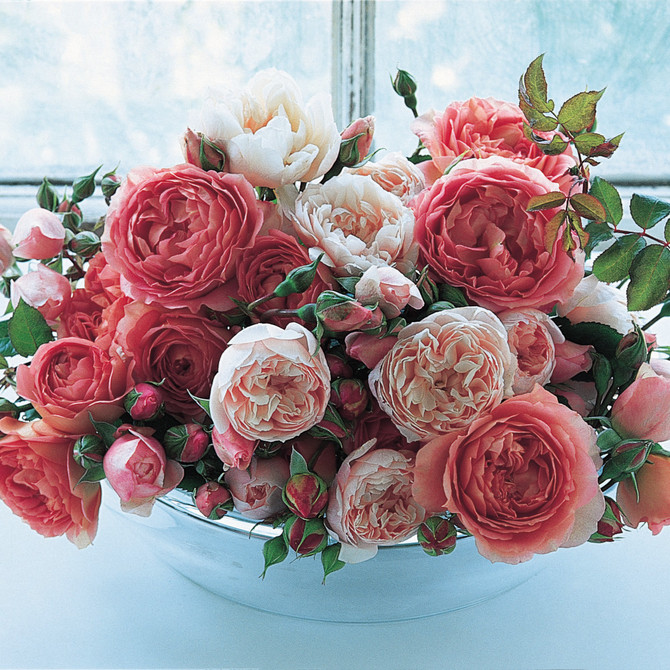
x: 272, y: 383
x: 355, y: 222
x: 444, y: 371
x: 269, y: 134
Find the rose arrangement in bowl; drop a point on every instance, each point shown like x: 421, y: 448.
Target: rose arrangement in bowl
x: 354, y: 349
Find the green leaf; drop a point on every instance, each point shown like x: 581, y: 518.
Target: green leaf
x: 588, y: 206
x: 28, y: 329
x: 274, y: 551
x: 666, y: 232
x: 202, y: 402
x: 614, y: 263
x: 604, y: 338
x: 8, y: 406
x: 298, y: 463
x: 452, y: 294
x: 93, y: 474
x: 647, y: 211
x: 587, y: 141
x: 546, y: 201
x: 551, y: 229
x: 608, y: 439
x: 553, y: 148
x: 602, y: 373
x: 535, y: 86
x: 536, y: 120
x: 105, y: 430
x: 348, y: 283
x: 649, y: 278
x: 579, y: 112
x: 606, y: 149
x: 6, y: 346
x: 598, y: 232
x: 609, y: 198
x: 330, y: 560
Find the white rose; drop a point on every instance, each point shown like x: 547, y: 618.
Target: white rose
x: 269, y: 135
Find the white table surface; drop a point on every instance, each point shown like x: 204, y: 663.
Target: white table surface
x: 114, y: 605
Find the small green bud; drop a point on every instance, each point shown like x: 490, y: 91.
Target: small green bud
x: 85, y: 244
x: 47, y: 198
x: 298, y: 280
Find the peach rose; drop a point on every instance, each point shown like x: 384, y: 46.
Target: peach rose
x: 354, y: 221
x: 388, y: 288
x: 523, y: 479
x: 653, y: 505
x: 474, y: 231
x: 39, y: 482
x: 395, y: 174
x: 272, y: 383
x: 371, y: 503
x: 257, y: 490
x: 45, y: 290
x: 480, y: 128
x: 532, y: 337
x: 175, y: 235
x: 70, y: 378
x: 269, y: 135
x: 39, y: 234
x: 444, y: 371
x: 161, y: 344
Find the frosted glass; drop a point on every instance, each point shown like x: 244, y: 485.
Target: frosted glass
x: 87, y: 82
x: 460, y: 48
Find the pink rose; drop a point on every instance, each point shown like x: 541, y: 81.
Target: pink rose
x: 571, y: 359
x: 532, y: 338
x: 138, y: 470
x: 580, y: 396
x: 6, y: 249
x: 474, y: 231
x: 161, y: 344
x: 102, y: 281
x: 653, y: 505
x: 368, y: 349
x: 443, y: 372
x: 643, y: 409
x: 70, y: 378
x: 340, y: 314
x: 81, y: 316
x: 39, y: 234
x: 272, y: 383
x: 45, y: 290
x: 388, y: 288
x: 480, y: 128
x: 264, y: 265
x: 175, y: 235
x: 371, y: 502
x: 39, y: 482
x: 257, y: 490
x: 234, y: 450
x: 523, y: 479
x: 364, y: 128
x: 376, y: 424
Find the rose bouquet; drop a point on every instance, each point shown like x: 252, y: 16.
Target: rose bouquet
x: 355, y: 348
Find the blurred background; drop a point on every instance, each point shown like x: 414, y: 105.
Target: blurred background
x: 85, y: 83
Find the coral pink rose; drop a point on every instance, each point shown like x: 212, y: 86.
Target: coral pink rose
x: 368, y: 349
x: 81, y: 316
x: 175, y: 235
x: 257, y: 490
x: 264, y: 265
x: 138, y: 470
x: 480, y: 128
x: 39, y: 234
x: 532, y: 337
x: 354, y: 222
x: 376, y: 423
x: 45, y: 290
x: 102, y: 281
x: 523, y: 479
x: 6, y: 249
x: 571, y: 359
x: 443, y: 372
x: 39, y: 482
x: 653, y: 505
x: 388, y: 288
x: 371, y: 503
x: 234, y: 450
x: 475, y: 233
x: 272, y: 383
x: 174, y: 346
x: 70, y: 378
x: 643, y: 409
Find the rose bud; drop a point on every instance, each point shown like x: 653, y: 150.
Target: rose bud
x: 88, y: 451
x: 85, y: 244
x: 390, y: 289
x: 201, y: 152
x: 356, y: 141
x: 350, y: 397
x: 437, y: 536
x: 268, y: 449
x: 45, y: 290
x: 305, y: 494
x: 186, y: 443
x: 368, y: 349
x: 338, y: 367
x: 72, y: 214
x: 298, y: 280
x: 405, y: 86
x: 109, y: 185
x: 137, y: 469
x: 234, y: 450
x: 145, y: 402
x: 340, y: 313
x: 38, y: 235
x: 305, y: 537
x: 213, y: 500
x: 610, y: 525
x: 125, y: 428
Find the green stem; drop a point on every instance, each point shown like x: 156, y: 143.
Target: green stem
x: 652, y: 321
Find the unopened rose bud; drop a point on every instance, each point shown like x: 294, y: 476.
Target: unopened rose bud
x: 611, y: 523
x: 356, y: 141
x: 145, y: 402
x: 85, y: 244
x: 47, y: 198
x: 38, y: 235
x: 338, y: 367
x: 186, y: 443
x: 73, y: 216
x: 109, y: 185
x: 339, y: 313
x: 88, y: 451
x: 202, y: 152
x: 350, y: 396
x: 429, y: 291
x: 305, y: 537
x: 268, y: 449
x: 84, y: 187
x: 213, y: 500
x: 630, y: 353
x: 437, y: 536
x: 405, y: 86
x: 305, y: 494
x: 627, y: 458
x: 298, y: 280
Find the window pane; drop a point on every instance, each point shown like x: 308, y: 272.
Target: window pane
x: 462, y: 48
x: 89, y: 82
